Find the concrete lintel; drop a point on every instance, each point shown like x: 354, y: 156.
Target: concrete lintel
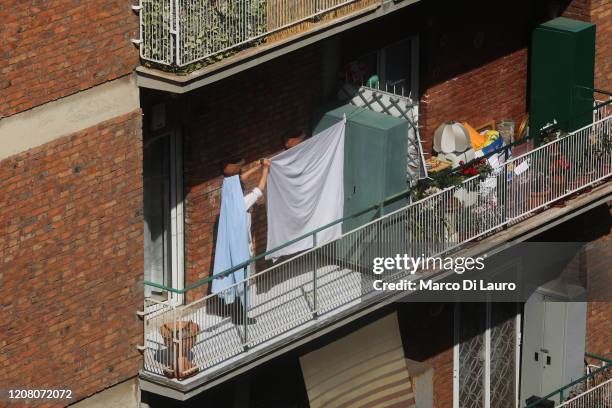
x: 122, y: 395
x: 67, y: 115
x: 497, y: 243
x: 169, y: 82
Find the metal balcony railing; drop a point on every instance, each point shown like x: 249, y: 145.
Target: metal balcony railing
x: 181, y: 32
x: 599, y: 396
x: 594, y: 389
x: 295, y: 295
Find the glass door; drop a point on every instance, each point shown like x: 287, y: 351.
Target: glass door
x: 163, y: 216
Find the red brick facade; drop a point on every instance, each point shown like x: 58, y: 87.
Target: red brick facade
x: 599, y: 312
x: 474, y: 68
x: 53, y: 48
x: 493, y: 91
x: 578, y: 10
x: 443, y: 379
x: 601, y: 14
x: 599, y: 327
x: 71, y: 260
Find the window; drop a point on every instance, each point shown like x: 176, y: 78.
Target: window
x: 394, y: 65
x: 163, y: 214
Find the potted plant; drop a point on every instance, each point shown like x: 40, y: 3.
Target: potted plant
x: 583, y: 170
x: 540, y: 189
x: 187, y: 331
x: 550, y: 136
x: 603, y: 153
x: 477, y: 168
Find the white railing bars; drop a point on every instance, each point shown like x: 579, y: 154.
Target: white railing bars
x: 182, y: 32
x: 599, y: 396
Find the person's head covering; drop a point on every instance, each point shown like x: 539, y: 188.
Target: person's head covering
x: 295, y: 138
x: 232, y: 167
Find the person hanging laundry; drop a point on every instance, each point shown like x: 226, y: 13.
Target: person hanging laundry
x: 251, y: 198
x: 234, y: 243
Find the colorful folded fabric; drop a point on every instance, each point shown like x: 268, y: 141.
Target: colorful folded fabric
x: 478, y: 141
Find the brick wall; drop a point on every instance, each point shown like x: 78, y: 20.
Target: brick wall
x: 54, y: 48
x: 599, y: 327
x: 71, y: 260
x: 430, y: 340
x: 493, y: 91
x: 598, y: 12
x: 601, y: 14
x: 599, y: 309
x: 577, y: 9
x: 478, y: 72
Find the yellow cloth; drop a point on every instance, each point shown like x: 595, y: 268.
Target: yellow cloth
x: 478, y: 141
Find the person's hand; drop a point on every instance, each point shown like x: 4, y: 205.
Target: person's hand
x: 266, y: 163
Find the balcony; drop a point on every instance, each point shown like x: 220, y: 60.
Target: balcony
x: 182, y: 41
x: 594, y: 389
x: 190, y: 345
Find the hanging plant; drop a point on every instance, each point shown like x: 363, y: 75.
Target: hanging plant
x: 209, y: 31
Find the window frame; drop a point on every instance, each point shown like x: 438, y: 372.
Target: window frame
x: 176, y: 272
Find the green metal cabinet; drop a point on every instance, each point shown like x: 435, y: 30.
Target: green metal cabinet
x: 562, y: 74
x: 375, y: 149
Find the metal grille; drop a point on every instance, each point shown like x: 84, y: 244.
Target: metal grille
x: 503, y: 355
x: 296, y: 294
x: 181, y: 32
x: 472, y: 356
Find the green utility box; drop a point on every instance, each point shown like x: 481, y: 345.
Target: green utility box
x: 375, y: 149
x: 562, y: 75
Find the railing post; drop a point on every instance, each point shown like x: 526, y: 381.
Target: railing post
x: 180, y: 366
x: 314, y: 277
x: 380, y: 229
x: 505, y: 196
x: 177, y: 35
x: 245, y: 306
x: 174, y: 343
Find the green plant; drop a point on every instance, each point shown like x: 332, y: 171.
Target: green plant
x: 604, y: 145
x: 436, y: 182
x: 480, y: 168
x: 210, y: 30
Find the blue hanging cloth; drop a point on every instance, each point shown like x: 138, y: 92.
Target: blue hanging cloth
x: 232, y: 241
